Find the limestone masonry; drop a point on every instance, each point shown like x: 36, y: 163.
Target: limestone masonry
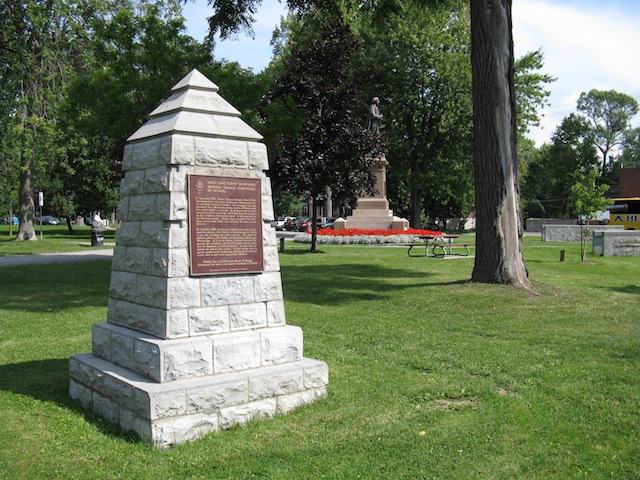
x: 181, y: 356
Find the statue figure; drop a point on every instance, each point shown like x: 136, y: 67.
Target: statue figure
x: 375, y: 117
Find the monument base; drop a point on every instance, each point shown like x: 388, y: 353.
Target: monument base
x: 165, y: 414
x: 372, y: 214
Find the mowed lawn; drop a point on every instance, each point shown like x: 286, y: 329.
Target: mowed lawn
x: 431, y: 376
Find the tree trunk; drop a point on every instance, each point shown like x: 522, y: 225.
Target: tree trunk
x: 499, y: 219
x: 26, y: 229
x: 314, y: 224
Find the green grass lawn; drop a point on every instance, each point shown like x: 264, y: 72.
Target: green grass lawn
x: 55, y: 238
x: 430, y: 376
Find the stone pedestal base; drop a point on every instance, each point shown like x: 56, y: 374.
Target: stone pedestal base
x: 372, y: 214
x: 169, y: 413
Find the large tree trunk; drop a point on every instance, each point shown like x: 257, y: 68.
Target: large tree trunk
x: 26, y: 229
x: 499, y: 219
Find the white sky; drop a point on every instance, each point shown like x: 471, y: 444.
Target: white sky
x: 586, y: 44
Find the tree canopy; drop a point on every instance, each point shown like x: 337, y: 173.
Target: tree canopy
x: 331, y: 152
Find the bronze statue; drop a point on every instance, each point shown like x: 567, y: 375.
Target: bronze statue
x: 375, y: 117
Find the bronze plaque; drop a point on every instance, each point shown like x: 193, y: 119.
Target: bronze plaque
x: 225, y: 225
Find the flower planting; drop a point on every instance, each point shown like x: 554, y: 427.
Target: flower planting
x: 359, y: 236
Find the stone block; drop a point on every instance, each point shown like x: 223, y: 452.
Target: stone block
x: 281, y: 345
x: 137, y: 260
x: 209, y: 320
x: 178, y: 235
x: 183, y: 150
x: 151, y: 291
x: 258, y: 158
x: 268, y: 287
x: 271, y: 259
x: 122, y: 347
x: 156, y: 179
x: 119, y: 391
x: 101, y: 340
x: 316, y: 373
x: 81, y: 395
x: 133, y: 183
x: 178, y: 323
x: 183, y: 429
x: 247, y: 315
x: 132, y: 423
x: 143, y: 318
x: 218, y: 152
x: 184, y: 292
x: 127, y: 157
x: 178, y: 178
x: 127, y: 234
x: 267, y: 208
x: 152, y: 234
x: 84, y: 373
x: 178, y: 262
x: 172, y: 206
x: 217, y: 392
x: 106, y: 409
x: 146, y: 154
x: 123, y: 209
x: 154, y: 403
x: 240, y: 414
x: 234, y: 352
x: 276, y: 314
x: 275, y: 381
x: 168, y: 360
x: 143, y: 207
x: 227, y: 290
x: 287, y: 403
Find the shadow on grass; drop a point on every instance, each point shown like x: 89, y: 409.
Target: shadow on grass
x: 53, y: 288
x: 48, y: 381
x: 632, y: 289
x: 345, y: 283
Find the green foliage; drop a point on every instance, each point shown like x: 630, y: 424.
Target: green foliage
x: 530, y: 90
x: 554, y: 169
x: 608, y: 113
x: 587, y: 198
x: 430, y: 376
x: 631, y: 155
x: 331, y: 153
x: 419, y: 63
x: 138, y: 54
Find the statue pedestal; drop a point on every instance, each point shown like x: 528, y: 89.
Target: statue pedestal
x: 372, y: 212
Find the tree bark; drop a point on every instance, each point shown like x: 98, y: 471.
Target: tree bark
x: 499, y: 218
x: 26, y: 218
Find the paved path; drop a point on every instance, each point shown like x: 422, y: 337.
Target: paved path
x: 68, y: 257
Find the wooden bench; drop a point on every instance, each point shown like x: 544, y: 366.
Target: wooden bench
x: 423, y: 245
x: 448, y: 246
x: 441, y: 246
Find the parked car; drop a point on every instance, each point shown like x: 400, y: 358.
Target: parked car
x: 303, y: 225
x: 49, y: 220
x: 279, y: 222
x: 290, y: 225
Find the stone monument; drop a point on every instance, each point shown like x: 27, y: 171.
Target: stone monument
x: 196, y: 338
x: 372, y: 211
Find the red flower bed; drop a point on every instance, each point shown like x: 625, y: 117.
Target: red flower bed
x: 356, y: 232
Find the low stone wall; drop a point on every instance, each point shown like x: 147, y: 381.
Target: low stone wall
x: 616, y: 243
x: 571, y: 233
x: 535, y: 224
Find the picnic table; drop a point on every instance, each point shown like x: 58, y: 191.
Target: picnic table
x: 440, y: 245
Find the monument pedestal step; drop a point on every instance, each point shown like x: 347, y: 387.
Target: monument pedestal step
x: 169, y: 413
